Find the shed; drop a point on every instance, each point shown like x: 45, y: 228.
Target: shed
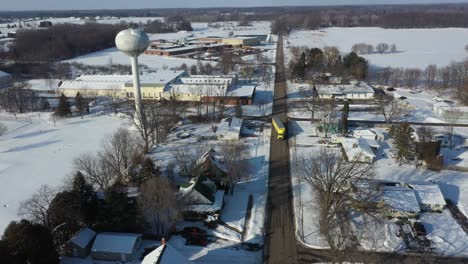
x: 80, y: 244
x: 116, y: 246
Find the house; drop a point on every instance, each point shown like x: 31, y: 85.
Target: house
x: 6, y: 80
x: 399, y: 202
x: 211, y: 165
x: 364, y: 133
x: 356, y: 90
x: 116, y: 246
x: 230, y: 129
x: 165, y: 254
x: 80, y: 244
x: 429, y: 197
x: 357, y: 150
x: 202, y: 198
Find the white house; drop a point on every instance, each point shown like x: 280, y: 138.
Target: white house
x: 6, y: 80
x: 116, y: 246
x: 429, y: 196
x: 355, y: 90
x: 357, y: 150
x: 400, y: 202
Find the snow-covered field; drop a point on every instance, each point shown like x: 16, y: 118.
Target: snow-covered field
x: 416, y: 47
x: 35, y: 152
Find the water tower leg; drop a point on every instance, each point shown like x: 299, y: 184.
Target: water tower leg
x: 136, y: 86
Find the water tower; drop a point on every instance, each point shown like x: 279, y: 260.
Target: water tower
x: 133, y: 42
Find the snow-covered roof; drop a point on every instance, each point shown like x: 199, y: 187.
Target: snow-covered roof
x: 164, y: 254
x: 400, y: 198
x: 355, y: 87
x: 355, y: 147
x: 83, y: 237
x: 4, y: 74
x: 363, y: 133
x: 43, y: 84
x: 115, y: 242
x: 231, y: 126
x: 428, y: 193
x: 216, y: 206
x: 241, y: 90
x: 91, y: 85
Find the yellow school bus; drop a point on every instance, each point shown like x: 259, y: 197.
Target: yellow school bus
x: 279, y: 127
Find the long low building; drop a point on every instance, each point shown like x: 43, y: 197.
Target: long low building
x: 152, y: 85
x: 164, y: 85
x: 181, y: 49
x: 355, y: 90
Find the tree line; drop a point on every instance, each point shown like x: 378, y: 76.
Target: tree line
x: 453, y: 76
x: 410, y: 16
x: 306, y: 63
x: 169, y: 25
x: 62, y: 41
x: 363, y: 48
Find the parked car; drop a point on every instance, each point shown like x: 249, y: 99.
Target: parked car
x: 402, y: 97
x: 195, y: 236
x: 391, y: 89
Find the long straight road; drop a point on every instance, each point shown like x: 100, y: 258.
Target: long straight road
x: 280, y: 246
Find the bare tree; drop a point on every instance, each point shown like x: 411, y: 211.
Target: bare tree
x: 187, y: 156
x: 331, y: 178
x: 312, y: 100
x: 96, y: 171
x: 412, y: 77
x: 430, y: 75
x: 332, y: 55
x: 451, y: 118
x: 393, y: 48
x: 114, y: 93
x: 35, y: 208
x: 328, y: 116
x: 120, y: 152
x: 382, y: 47
x: 235, y: 164
x: 389, y: 107
x: 159, y: 204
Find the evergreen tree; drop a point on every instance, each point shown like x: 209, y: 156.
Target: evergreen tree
x: 403, y: 143
x: 315, y: 59
x: 300, y: 67
x: 148, y: 169
x: 65, y: 216
x: 356, y: 66
x: 28, y: 243
x: 119, y: 213
x: 80, y: 104
x: 87, y: 197
x: 63, y: 108
x: 344, y: 118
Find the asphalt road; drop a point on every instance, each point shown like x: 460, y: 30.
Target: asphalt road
x: 280, y: 242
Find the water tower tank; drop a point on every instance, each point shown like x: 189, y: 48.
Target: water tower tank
x: 132, y: 42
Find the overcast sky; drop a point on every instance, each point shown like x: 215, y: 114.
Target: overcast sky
x: 137, y: 4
